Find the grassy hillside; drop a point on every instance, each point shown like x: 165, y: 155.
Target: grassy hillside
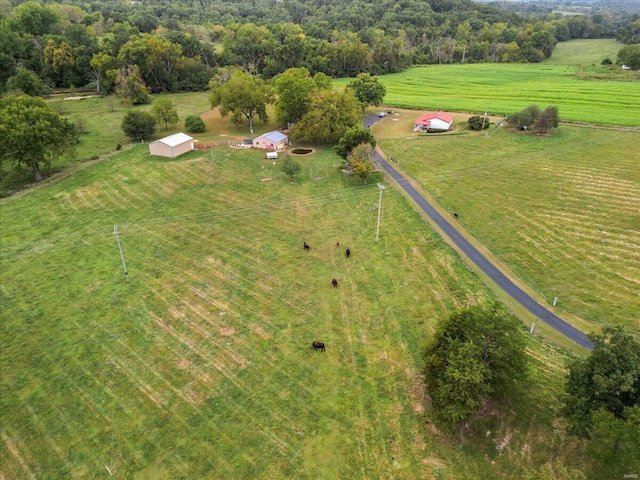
x: 585, y: 52
x: 200, y: 365
x: 507, y: 88
x: 561, y: 211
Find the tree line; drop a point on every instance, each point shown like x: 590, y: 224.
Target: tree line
x: 176, y: 46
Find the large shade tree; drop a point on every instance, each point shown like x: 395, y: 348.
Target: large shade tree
x: 475, y: 354
x: 608, y: 379
x: 33, y: 135
x: 294, y: 87
x: 368, y: 90
x: 330, y: 115
x: 244, y: 97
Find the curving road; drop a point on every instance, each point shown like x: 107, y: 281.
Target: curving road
x: 479, y: 259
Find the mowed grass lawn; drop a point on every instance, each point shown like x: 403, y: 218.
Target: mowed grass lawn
x: 507, y: 88
x: 561, y: 211
x: 200, y: 365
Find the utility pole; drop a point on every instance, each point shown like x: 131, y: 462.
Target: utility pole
x: 381, y: 187
x: 124, y: 265
x: 212, y: 162
x: 483, y: 119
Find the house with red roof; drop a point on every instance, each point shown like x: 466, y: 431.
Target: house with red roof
x: 433, y: 122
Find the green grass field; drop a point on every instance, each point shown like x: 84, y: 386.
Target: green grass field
x: 585, y: 52
x: 506, y: 88
x: 200, y: 365
x: 560, y: 211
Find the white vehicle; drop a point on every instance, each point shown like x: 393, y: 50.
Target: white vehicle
x: 381, y: 114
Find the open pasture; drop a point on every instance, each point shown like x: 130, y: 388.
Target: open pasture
x: 200, y: 364
x: 585, y: 52
x: 560, y: 211
x: 507, y: 88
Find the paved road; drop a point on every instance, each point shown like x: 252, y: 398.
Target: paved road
x: 479, y: 259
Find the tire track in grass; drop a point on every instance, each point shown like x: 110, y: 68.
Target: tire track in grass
x: 15, y: 453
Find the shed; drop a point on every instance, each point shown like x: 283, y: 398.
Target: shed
x: 272, y: 155
x: 172, y: 146
x: 438, y: 121
x: 271, y: 141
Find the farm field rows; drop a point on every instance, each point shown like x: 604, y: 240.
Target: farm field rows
x: 506, y: 88
x: 200, y: 365
x: 560, y: 211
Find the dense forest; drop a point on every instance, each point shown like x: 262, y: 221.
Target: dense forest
x: 178, y: 45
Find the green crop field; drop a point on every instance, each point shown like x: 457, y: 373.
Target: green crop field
x: 200, y: 365
x: 561, y: 211
x: 506, y: 88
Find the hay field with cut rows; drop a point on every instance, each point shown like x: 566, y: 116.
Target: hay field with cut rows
x: 562, y: 211
x: 200, y: 364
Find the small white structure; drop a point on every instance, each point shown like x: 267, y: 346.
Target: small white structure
x: 433, y: 121
x: 272, y: 155
x: 271, y: 141
x: 626, y: 67
x: 172, y: 146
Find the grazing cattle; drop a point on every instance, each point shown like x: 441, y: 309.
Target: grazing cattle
x: 337, y: 244
x: 306, y: 246
x: 348, y: 253
x: 334, y: 282
x: 318, y: 346
x: 455, y: 215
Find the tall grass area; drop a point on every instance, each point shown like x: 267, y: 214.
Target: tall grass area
x: 507, y: 88
x: 199, y: 364
x: 561, y: 211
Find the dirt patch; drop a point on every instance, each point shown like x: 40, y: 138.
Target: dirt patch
x: 227, y: 332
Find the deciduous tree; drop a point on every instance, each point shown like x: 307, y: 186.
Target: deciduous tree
x: 547, y: 120
x: 368, y: 90
x: 194, y: 124
x: 293, y: 88
x: 630, y: 55
x: 32, y: 134
x: 130, y: 86
x: 608, y: 379
x: 360, y: 161
x: 164, y: 112
x: 329, y: 116
x: 476, y: 353
x: 356, y: 135
x: 138, y: 125
x: 244, y: 97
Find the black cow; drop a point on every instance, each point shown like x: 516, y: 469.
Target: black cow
x: 306, y: 246
x: 337, y: 244
x: 455, y: 215
x: 318, y: 346
x: 348, y: 253
x: 334, y: 282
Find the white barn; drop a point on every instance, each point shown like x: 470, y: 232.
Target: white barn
x: 433, y: 121
x: 172, y: 146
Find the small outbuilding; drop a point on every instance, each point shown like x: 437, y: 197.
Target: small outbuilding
x: 271, y: 141
x: 433, y: 122
x: 172, y: 146
x: 272, y: 155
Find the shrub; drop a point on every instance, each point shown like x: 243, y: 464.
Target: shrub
x: 607, y: 61
x: 194, y: 124
x: 138, y: 125
x: 478, y: 123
